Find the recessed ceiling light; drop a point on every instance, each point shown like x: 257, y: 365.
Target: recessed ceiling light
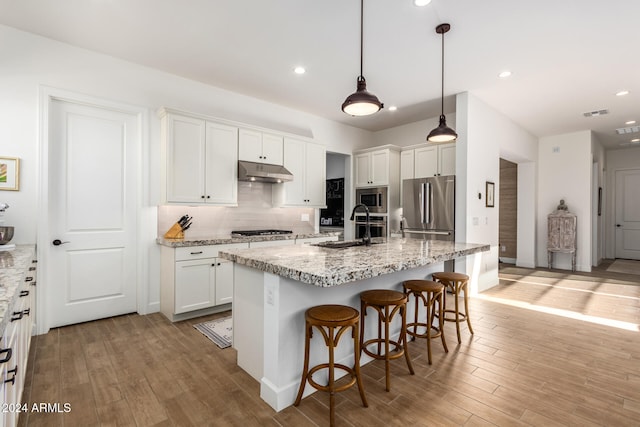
x: 504, y: 74
x: 421, y: 2
x: 622, y: 93
x: 299, y: 70
x: 630, y: 122
x: 393, y: 108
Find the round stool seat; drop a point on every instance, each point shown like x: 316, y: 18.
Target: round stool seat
x: 383, y: 297
x: 423, y: 286
x: 335, y: 315
x: 450, y: 275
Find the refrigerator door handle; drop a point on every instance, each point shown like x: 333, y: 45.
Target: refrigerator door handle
x: 427, y: 203
x: 423, y: 194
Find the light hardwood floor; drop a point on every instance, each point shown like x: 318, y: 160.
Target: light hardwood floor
x: 549, y: 350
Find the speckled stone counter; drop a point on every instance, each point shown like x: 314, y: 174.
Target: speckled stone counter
x: 226, y: 239
x: 14, y: 265
x: 273, y: 287
x: 327, y: 267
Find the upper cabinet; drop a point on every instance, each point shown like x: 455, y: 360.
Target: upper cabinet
x: 201, y: 160
x: 430, y: 160
x: 260, y: 147
x: 306, y: 161
x: 372, y: 167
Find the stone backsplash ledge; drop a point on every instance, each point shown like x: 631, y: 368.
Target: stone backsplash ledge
x: 254, y: 211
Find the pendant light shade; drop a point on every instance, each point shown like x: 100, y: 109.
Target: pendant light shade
x: 361, y: 102
x: 442, y: 133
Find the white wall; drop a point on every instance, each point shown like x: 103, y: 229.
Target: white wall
x: 564, y: 171
x: 30, y: 62
x: 626, y: 158
x: 485, y: 135
x: 598, y: 181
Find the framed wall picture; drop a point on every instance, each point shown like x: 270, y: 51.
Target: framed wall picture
x: 490, y: 194
x: 9, y: 173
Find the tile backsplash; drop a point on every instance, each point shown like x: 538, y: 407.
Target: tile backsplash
x: 254, y: 211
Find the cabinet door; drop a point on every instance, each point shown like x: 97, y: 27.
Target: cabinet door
x: 221, y: 164
x: 406, y: 168
x: 195, y: 285
x: 272, y: 149
x: 362, y: 165
x: 294, y: 161
x: 315, y: 175
x: 447, y: 159
x: 250, y: 145
x: 380, y: 167
x: 224, y: 281
x: 426, y: 161
x: 185, y: 159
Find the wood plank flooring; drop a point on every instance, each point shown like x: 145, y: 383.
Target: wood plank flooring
x: 576, y: 365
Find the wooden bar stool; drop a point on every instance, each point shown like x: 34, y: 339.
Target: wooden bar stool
x: 430, y: 293
x: 387, y: 303
x: 326, y: 319
x: 457, y: 283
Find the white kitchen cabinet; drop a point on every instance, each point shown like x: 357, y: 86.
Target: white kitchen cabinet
x: 260, y: 147
x: 305, y: 160
x: 435, y: 160
x: 407, y: 161
x: 201, y: 160
x: 372, y: 168
x: 195, y: 281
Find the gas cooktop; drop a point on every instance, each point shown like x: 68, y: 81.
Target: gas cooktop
x: 245, y: 233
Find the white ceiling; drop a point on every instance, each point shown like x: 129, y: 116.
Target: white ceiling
x: 567, y: 56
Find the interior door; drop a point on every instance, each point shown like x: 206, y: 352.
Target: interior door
x: 628, y: 214
x: 92, y: 187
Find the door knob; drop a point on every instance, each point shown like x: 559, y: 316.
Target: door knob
x: 618, y: 225
x: 58, y: 242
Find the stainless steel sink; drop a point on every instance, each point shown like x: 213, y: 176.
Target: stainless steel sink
x: 343, y: 244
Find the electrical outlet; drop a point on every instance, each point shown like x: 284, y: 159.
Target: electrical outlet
x: 475, y: 220
x: 304, y: 217
x: 503, y: 248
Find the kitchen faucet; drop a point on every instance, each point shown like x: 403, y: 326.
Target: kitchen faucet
x: 366, y: 239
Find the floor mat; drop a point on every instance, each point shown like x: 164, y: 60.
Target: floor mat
x: 220, y: 331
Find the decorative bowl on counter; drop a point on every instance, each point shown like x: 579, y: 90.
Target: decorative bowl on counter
x: 6, y: 234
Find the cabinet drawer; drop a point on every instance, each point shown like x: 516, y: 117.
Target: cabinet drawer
x: 200, y: 252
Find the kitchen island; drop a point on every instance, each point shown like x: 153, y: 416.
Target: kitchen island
x: 274, y: 286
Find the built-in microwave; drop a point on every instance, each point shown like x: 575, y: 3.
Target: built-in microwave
x: 373, y: 198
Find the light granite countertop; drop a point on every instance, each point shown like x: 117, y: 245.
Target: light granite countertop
x: 14, y: 266
x: 328, y: 267
x: 226, y: 239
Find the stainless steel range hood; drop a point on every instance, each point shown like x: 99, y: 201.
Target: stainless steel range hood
x: 262, y: 172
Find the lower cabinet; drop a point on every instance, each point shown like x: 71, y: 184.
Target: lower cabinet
x: 195, y: 281
x: 14, y: 349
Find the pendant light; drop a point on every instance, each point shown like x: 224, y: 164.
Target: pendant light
x: 442, y: 133
x: 361, y: 102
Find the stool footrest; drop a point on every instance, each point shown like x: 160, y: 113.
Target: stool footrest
x: 398, y: 350
x: 328, y: 387
x: 434, y: 334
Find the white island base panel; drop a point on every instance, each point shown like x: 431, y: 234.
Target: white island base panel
x: 268, y: 325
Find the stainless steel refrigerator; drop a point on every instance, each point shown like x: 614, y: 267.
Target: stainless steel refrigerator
x: 428, y: 208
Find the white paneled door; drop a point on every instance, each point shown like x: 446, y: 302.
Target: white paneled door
x: 92, y: 187
x: 627, y: 214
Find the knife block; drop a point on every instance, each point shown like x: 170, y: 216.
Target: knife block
x: 175, y: 232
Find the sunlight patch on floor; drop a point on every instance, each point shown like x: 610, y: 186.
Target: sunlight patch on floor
x: 569, y: 288
x: 564, y: 313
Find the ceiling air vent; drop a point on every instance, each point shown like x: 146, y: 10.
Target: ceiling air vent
x: 595, y: 113
x: 628, y: 130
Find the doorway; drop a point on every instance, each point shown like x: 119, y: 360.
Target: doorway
x: 627, y: 214
x: 508, y: 212
x: 88, y: 233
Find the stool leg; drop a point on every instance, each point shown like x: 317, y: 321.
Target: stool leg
x: 429, y: 323
x: 456, y: 294
x: 466, y: 308
x: 441, y: 320
x: 386, y: 345
x: 363, y: 313
x: 305, y: 369
x: 332, y: 409
x: 403, y: 338
x: 356, y: 367
x: 415, y: 321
